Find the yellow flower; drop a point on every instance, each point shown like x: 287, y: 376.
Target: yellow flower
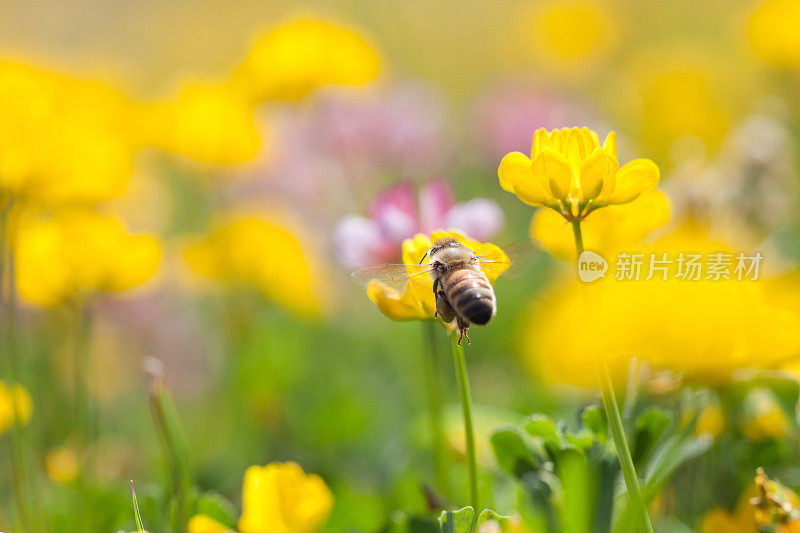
x: 710, y: 422
x: 570, y: 172
x: 205, y: 524
x: 252, y: 250
x: 704, y: 329
x: 290, y: 61
x: 570, y: 35
x: 18, y: 402
x: 62, y: 465
x: 685, y: 93
x: 61, y: 139
x: 764, y: 418
x: 76, y: 253
x: 609, y: 230
x: 394, y: 304
x: 281, y: 498
x: 211, y: 123
x: 417, y: 300
x: 773, y: 32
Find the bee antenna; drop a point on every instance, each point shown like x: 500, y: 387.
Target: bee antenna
x: 423, y: 258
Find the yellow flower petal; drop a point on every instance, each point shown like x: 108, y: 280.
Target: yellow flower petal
x: 555, y: 170
x: 516, y: 176
x: 633, y: 179
x: 597, y: 174
x: 205, y: 524
x: 610, y: 143
x: 15, y: 400
x: 280, y: 497
x: 541, y: 140
x: 395, y: 305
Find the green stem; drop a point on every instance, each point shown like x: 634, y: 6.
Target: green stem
x: 8, y: 292
x: 82, y: 362
x: 175, y: 449
x: 615, y: 420
x: 434, y: 398
x: 469, y: 431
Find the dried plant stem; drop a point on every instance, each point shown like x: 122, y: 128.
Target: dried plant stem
x: 469, y: 430
x: 433, y: 388
x: 614, y: 418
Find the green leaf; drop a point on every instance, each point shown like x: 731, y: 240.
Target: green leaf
x: 490, y: 516
x: 216, y: 506
x: 544, y: 428
x: 650, y: 427
x: 512, y: 452
x: 594, y: 419
x: 457, y: 521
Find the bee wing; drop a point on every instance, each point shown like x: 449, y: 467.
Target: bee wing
x: 395, y: 275
x: 520, y: 254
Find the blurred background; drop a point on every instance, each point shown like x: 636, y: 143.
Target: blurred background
x: 186, y: 186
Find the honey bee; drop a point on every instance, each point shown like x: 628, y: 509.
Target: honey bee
x: 461, y: 289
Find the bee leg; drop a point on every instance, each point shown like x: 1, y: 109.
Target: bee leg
x: 463, y: 326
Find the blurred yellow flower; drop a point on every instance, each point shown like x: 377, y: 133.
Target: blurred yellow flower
x: 205, y: 524
x: 281, y: 498
x: 14, y: 400
x: 704, y: 329
x: 763, y: 417
x: 211, y: 123
x: 606, y: 231
x: 290, y: 61
x: 62, y: 465
x: 742, y: 520
x: 417, y: 300
x: 76, y: 253
x: 262, y: 252
x: 571, y: 173
x: 685, y: 93
x: 569, y: 36
x: 710, y: 422
x: 61, y: 139
x: 773, y: 32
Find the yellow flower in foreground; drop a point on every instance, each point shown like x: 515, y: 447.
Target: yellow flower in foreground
x: 773, y: 32
x: 290, y: 61
x: 205, y: 524
x: 76, y: 253
x: 19, y: 401
x: 251, y: 250
x: 704, y: 329
x: 206, y: 122
x: 615, y: 228
x: 61, y: 139
x: 570, y: 35
x: 570, y: 172
x: 417, y: 300
x: 62, y: 465
x: 281, y: 498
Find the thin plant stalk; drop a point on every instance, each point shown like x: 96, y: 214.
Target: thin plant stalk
x: 434, y: 399
x: 8, y: 296
x: 82, y: 365
x: 614, y: 418
x: 137, y: 515
x: 469, y: 430
x: 173, y: 442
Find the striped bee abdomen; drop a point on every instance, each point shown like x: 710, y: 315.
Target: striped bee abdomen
x: 471, y: 295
